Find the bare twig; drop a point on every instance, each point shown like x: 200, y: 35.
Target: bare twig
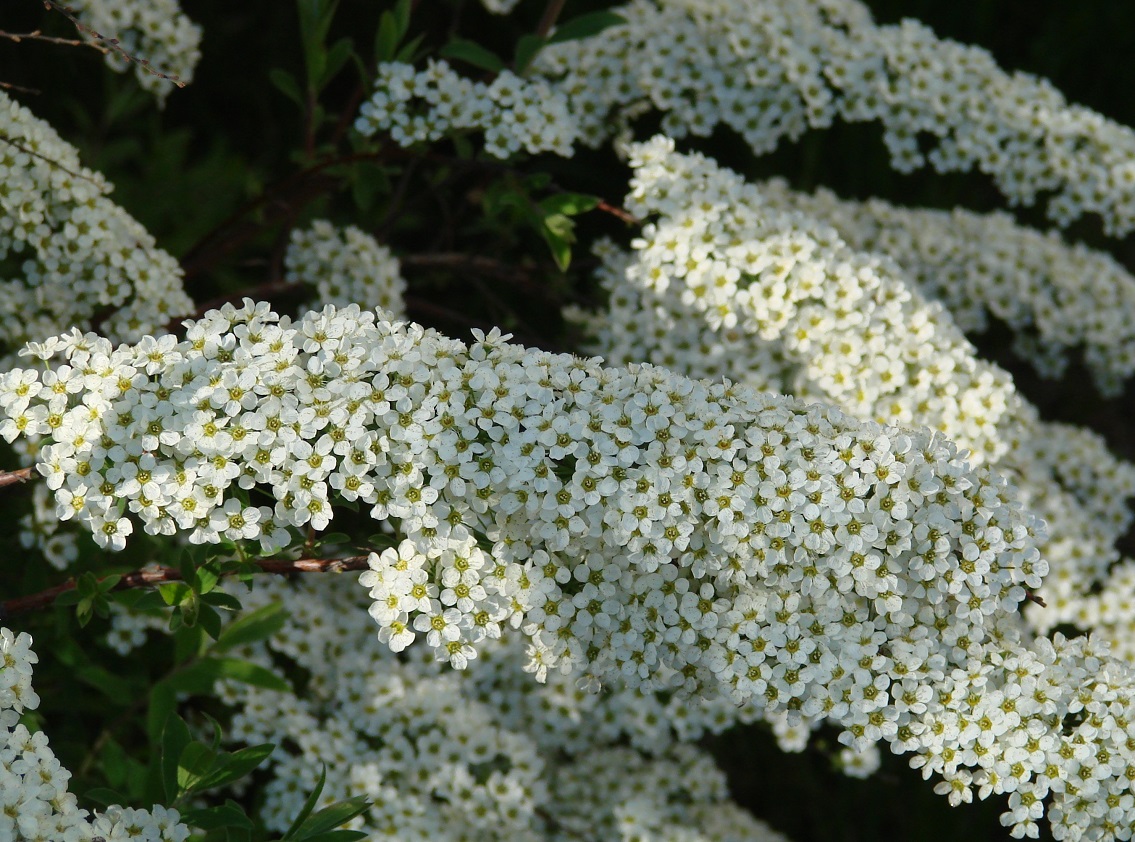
x: 50, y: 39
x: 13, y: 477
x: 153, y: 576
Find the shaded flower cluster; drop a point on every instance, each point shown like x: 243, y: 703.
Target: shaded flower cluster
x: 66, y: 250
x: 513, y: 114
x: 770, y: 70
x: 346, y: 266
x: 156, y: 31
x: 35, y: 805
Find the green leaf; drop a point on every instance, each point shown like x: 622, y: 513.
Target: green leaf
x: 209, y: 620
x: 107, y: 583
x: 308, y: 805
x: 175, y: 739
x: 286, y: 85
x: 146, y: 601
x: 527, y: 48
x: 205, y: 578
x: 338, y: 836
x: 409, y: 50
x: 199, y: 677
x: 228, y: 814
x: 331, y: 817
x: 234, y: 766
x: 174, y: 592
x: 220, y: 599
x: 570, y: 204
x: 254, y: 626
x: 197, y: 761
x: 585, y: 26
x: 337, y: 56
x: 71, y: 597
x: 472, y: 53
x: 559, y: 233
x: 105, y: 796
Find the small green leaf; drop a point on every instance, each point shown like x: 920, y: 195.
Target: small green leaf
x: 409, y: 50
x: 332, y: 817
x: 198, y: 678
x: 105, y: 796
x: 107, y: 583
x: 228, y: 814
x: 570, y: 204
x: 209, y: 620
x: 585, y: 26
x: 175, y: 739
x: 337, y: 56
x: 71, y: 597
x: 174, y: 592
x: 234, y: 766
x: 252, y: 627
x: 472, y: 53
x: 220, y: 599
x: 286, y: 85
x: 206, y: 578
x: 558, y: 232
x: 308, y: 805
x: 196, y: 761
x: 527, y: 48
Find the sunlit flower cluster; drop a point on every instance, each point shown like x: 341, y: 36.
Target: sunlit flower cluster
x: 156, y: 31
x: 67, y: 252
x: 1056, y: 296
x: 513, y: 114
x: 724, y: 283
x: 346, y: 266
x: 772, y: 69
x: 35, y: 805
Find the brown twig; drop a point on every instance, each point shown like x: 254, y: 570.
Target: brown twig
x: 13, y: 477
x: 1032, y: 597
x: 36, y: 35
x: 15, y: 143
x: 548, y: 19
x: 111, y: 44
x: 618, y: 213
x: 154, y: 576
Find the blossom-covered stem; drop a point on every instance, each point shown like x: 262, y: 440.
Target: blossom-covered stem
x: 153, y: 576
x: 111, y: 45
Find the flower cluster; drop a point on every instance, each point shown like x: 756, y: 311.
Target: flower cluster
x: 35, y: 805
x: 512, y: 113
x: 346, y: 266
x: 156, y: 31
x: 445, y: 754
x: 1056, y: 296
x: 68, y: 250
x: 771, y: 69
x: 726, y: 283
x: 639, y: 527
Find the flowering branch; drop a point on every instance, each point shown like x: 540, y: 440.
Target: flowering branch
x: 107, y: 44
x: 149, y: 577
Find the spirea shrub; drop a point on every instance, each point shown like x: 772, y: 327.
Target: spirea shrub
x: 721, y: 458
